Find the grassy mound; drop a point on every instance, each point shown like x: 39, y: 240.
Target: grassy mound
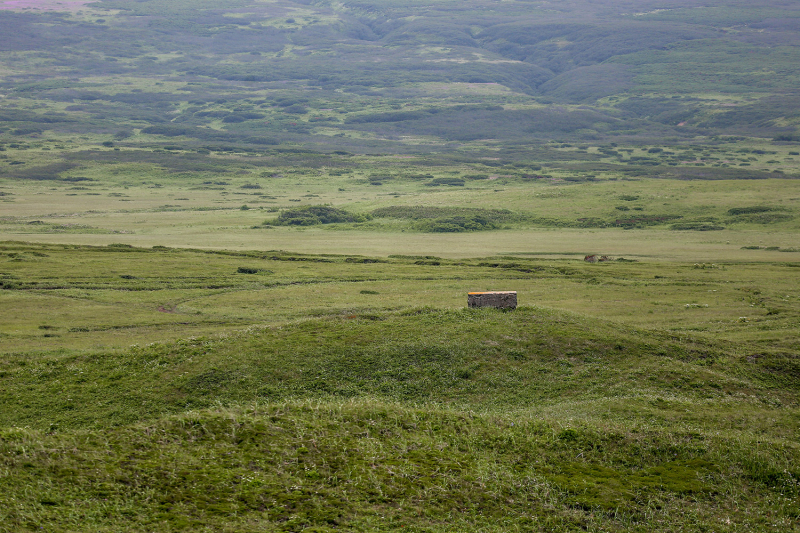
x: 533, y: 356
x: 316, y: 214
x: 448, y: 219
x: 430, y: 420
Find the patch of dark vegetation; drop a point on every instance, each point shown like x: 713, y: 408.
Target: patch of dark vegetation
x: 593, y: 486
x: 451, y: 181
x: 696, y: 226
x: 642, y: 221
x: 456, y: 224
x: 449, y: 219
x: 628, y: 222
x: 751, y: 210
x: 317, y: 214
x: 401, y: 256
x: 173, y: 130
x: 364, y: 260
x: 49, y: 172
x: 379, y: 179
x: 522, y: 267
x: 708, y: 173
x: 430, y: 212
x: 183, y: 162
x: 477, y: 123
x: 758, y: 215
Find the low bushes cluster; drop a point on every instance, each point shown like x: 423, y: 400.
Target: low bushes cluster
x: 457, y: 224
x: 452, y: 181
x: 448, y: 219
x: 696, y: 226
x: 422, y: 212
x: 750, y: 210
x: 317, y: 214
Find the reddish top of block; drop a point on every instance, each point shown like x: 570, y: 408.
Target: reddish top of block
x: 494, y: 292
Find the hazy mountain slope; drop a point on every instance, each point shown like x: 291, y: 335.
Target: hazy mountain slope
x: 290, y: 71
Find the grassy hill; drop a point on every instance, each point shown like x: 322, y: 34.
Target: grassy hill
x: 425, y: 419
x: 394, y: 76
x: 344, y: 400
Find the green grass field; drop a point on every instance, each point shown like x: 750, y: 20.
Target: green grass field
x: 236, y: 242
x: 279, y: 347
x: 349, y: 392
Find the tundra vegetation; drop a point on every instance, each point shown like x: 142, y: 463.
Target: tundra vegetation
x: 237, y: 239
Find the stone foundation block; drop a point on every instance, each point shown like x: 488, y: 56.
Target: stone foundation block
x: 497, y: 299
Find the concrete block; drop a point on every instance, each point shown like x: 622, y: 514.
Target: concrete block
x: 497, y: 299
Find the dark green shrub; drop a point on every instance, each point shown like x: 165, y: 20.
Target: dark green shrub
x: 317, y: 214
x: 696, y: 226
x: 453, y: 182
x: 379, y: 179
x: 750, y: 210
x: 457, y: 224
x: 762, y: 218
x: 421, y: 212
